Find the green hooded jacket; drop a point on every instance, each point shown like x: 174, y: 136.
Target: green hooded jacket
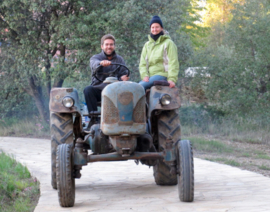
x: 159, y: 58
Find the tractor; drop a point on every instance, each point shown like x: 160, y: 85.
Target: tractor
x: 132, y: 124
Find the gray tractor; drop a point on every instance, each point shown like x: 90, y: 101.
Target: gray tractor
x: 132, y: 125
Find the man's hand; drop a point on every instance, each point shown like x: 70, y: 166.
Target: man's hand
x: 146, y: 79
x: 172, y: 84
x: 105, y: 63
x: 125, y: 78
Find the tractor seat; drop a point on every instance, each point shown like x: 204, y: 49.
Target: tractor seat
x: 161, y: 82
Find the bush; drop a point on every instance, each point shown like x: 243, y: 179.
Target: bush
x: 201, y: 119
x: 200, y: 115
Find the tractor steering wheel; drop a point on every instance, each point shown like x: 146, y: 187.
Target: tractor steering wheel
x: 113, y: 73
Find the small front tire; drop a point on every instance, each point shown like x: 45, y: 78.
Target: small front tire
x: 185, y: 176
x: 64, y: 175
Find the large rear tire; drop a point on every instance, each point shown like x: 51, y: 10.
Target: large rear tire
x: 61, y: 133
x: 186, y: 171
x: 168, y: 127
x: 64, y: 175
x: 162, y: 174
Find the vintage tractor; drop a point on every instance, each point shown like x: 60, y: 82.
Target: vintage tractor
x: 132, y: 125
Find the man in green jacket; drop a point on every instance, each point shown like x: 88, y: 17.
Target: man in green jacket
x: 159, y: 58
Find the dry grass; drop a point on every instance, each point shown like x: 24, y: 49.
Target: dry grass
x: 250, y: 156
x: 24, y: 128
x: 200, y: 121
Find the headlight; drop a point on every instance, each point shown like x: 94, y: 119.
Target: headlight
x: 165, y: 99
x: 68, y: 101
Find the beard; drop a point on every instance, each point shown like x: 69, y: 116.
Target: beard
x: 109, y: 55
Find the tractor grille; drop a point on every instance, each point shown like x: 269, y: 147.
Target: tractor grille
x: 139, y: 111
x: 125, y: 98
x: 110, y: 112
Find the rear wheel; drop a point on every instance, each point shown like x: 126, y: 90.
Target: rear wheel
x: 64, y: 175
x: 162, y: 174
x: 61, y: 133
x: 168, y: 128
x: 186, y: 171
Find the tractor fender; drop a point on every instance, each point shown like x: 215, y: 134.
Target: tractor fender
x: 154, y: 98
x: 56, y: 97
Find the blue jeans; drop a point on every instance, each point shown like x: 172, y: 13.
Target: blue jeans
x: 149, y: 84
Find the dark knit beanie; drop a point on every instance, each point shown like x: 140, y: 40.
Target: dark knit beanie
x: 156, y: 19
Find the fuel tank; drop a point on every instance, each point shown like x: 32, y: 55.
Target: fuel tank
x: 123, y: 109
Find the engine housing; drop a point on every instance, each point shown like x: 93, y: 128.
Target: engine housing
x: 123, y: 109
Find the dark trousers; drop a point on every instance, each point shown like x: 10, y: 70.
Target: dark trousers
x: 92, y: 95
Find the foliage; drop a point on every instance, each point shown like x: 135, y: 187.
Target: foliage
x: 192, y: 24
x: 30, y: 36
x: 201, y: 120
x: 43, y: 43
x: 239, y: 65
x: 18, y: 191
x: 219, y: 11
x: 200, y: 115
x: 216, y: 15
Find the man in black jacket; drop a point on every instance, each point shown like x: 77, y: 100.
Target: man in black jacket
x: 92, y: 93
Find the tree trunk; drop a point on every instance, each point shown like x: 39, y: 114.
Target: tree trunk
x: 41, y: 109
x: 36, y: 92
x: 48, y: 77
x: 58, y: 83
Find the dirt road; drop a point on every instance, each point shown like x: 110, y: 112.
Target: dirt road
x: 124, y: 186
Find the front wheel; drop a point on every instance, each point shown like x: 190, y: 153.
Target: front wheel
x: 61, y: 133
x: 185, y: 175
x: 64, y: 175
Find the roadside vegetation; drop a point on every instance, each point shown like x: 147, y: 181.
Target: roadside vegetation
x: 25, y: 127
x: 18, y: 190
x: 208, y: 120
x: 238, y: 141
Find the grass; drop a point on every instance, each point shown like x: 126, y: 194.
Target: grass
x: 263, y: 156
x: 229, y: 162
x: 204, y: 145
x: 246, y: 154
x: 263, y: 167
x: 216, y: 147
x: 28, y: 127
x: 18, y: 190
x: 196, y: 120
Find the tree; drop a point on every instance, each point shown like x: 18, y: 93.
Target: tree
x: 46, y: 42
x: 32, y: 33
x: 239, y: 67
x: 216, y: 16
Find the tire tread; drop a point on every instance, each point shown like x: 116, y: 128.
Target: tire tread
x: 186, y: 175
x: 65, y: 180
x: 168, y: 126
x: 61, y: 133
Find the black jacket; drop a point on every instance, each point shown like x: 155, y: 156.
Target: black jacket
x: 95, y: 62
